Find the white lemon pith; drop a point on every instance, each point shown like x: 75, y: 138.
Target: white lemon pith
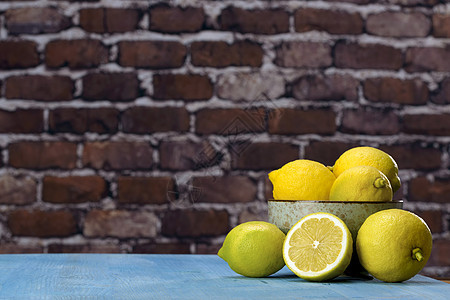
x: 302, y: 179
x: 361, y: 183
x: 318, y: 248
x: 369, y: 156
x: 394, y: 245
x: 254, y: 249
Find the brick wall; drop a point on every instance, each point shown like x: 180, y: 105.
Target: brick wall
x: 147, y: 127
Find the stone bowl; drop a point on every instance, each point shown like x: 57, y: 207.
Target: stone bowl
x: 286, y: 213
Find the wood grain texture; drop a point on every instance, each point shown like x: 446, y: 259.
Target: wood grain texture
x: 132, y: 276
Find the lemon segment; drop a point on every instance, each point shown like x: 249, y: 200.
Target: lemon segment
x: 319, y: 247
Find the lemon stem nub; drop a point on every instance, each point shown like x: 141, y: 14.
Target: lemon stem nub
x: 379, y: 183
x: 417, y: 254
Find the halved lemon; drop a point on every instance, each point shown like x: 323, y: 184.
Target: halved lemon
x: 318, y: 248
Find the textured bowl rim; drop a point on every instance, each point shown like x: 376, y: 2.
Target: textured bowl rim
x: 343, y: 202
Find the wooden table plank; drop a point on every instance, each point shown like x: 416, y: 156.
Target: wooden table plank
x: 133, y: 276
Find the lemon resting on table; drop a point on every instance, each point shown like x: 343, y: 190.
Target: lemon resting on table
x: 394, y: 245
x: 254, y: 249
x: 319, y: 247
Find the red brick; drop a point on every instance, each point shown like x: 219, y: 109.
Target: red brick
x: 227, y: 189
x: 326, y: 87
x: 81, y: 120
x: 73, y: 189
x: 155, y: 119
x: 398, y: 24
x: 414, y: 156
x: 300, y: 121
x: 439, y: 253
x: 441, y: 25
x: 10, y: 248
x: 110, y: 86
x: 152, y: 54
x: 207, y: 249
x: 370, y: 121
x: 17, y: 190
x: 270, y: 21
x: 423, y: 190
x: 367, y: 56
x: 262, y: 156
x: 187, y: 155
x: 394, y: 90
x: 334, y: 22
x: 415, y: 2
x: 303, y: 55
x: 162, y: 248
x: 326, y: 152
x: 109, y: 20
x: 433, y: 218
x: 442, y: 95
x: 75, y: 54
x: 37, y: 223
x: 43, y: 155
x: 222, y: 54
x: 22, y: 121
x: 35, y: 20
x: 146, y: 190
x: 118, y: 155
x: 18, y: 54
x: 164, y: 18
x: 39, y: 87
x: 230, y: 121
x: 249, y: 215
x: 427, y: 59
x: 88, y: 248
x: 429, y: 124
x: 182, y: 87
x: 195, y: 223
x: 120, y: 224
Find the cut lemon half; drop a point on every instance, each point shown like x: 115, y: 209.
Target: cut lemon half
x: 318, y: 248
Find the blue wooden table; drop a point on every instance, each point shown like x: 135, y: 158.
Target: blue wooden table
x: 132, y: 276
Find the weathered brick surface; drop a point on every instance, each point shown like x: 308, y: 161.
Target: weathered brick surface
x: 423, y: 190
x: 164, y: 18
x: 22, y: 121
x: 155, y: 119
x: 441, y: 25
x: 230, y: 121
x: 195, y: 223
x: 120, y: 224
x: 326, y: 152
x: 303, y: 55
x: 42, y: 155
x: 207, y: 249
x: 10, y: 248
x: 18, y: 54
x: 427, y: 59
x: 253, y: 156
x: 442, y: 96
x: 73, y: 189
x: 75, y: 54
x: 430, y: 124
x: 325, y: 87
x: 186, y: 155
x: 39, y: 87
x: 398, y: 24
x: 298, y: 121
x: 415, y: 156
x: 152, y: 54
x: 102, y: 120
x: 370, y: 121
x: 110, y: 86
x: 17, y: 190
x: 394, y: 90
x: 439, y: 254
x: 269, y: 21
x: 221, y: 54
x: 35, y: 20
x: 188, y: 87
x: 89, y: 248
x: 226, y: 189
x: 163, y: 248
x: 335, y: 22
x: 38, y: 223
x: 433, y: 218
x: 111, y: 20
x: 117, y: 155
x: 146, y: 190
x: 367, y: 56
